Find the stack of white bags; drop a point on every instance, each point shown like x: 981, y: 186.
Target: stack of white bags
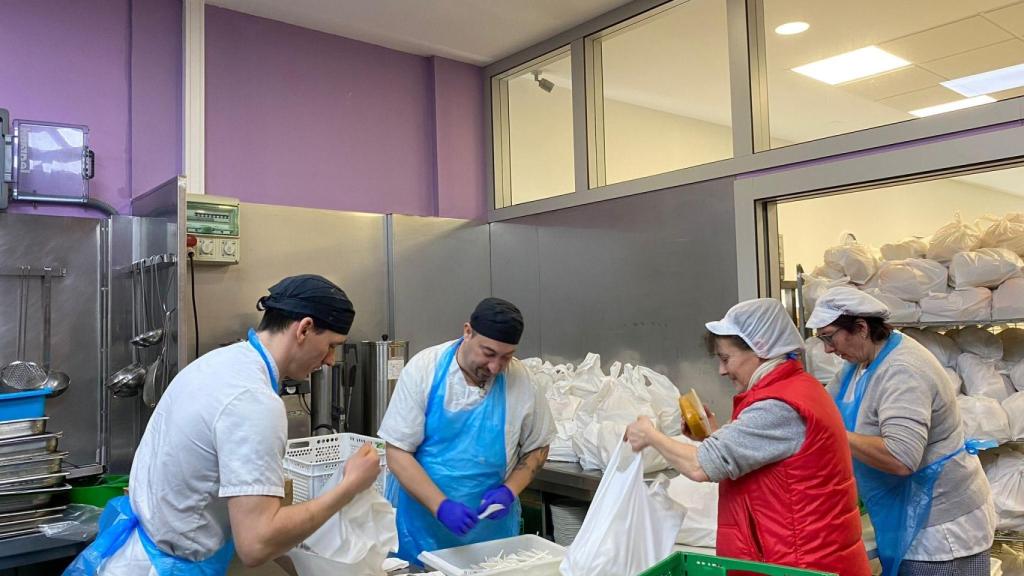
x: 963, y: 273
x: 592, y: 409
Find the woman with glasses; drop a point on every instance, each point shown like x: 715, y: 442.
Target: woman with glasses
x: 786, y: 490
x: 924, y: 489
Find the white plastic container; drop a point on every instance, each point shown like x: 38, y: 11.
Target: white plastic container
x: 460, y: 561
x: 310, y: 462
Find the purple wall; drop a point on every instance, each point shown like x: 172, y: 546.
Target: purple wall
x: 68, y: 61
x: 459, y: 139
x: 302, y: 118
x: 156, y: 93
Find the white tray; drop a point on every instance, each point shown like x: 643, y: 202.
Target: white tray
x: 459, y: 561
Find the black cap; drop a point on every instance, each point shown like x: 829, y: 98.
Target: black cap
x: 498, y: 320
x: 313, y: 296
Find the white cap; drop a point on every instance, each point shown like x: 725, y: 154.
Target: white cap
x: 763, y: 324
x: 845, y: 300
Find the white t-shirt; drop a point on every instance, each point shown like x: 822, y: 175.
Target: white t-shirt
x: 219, y: 431
x: 528, y: 421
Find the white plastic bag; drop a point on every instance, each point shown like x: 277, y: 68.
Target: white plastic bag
x: 942, y: 347
x: 355, y: 541
x: 913, y: 247
x: 965, y: 305
x: 956, y: 383
x: 816, y: 286
x: 1008, y: 300
x: 912, y: 279
x: 856, y: 260
x: 1017, y: 376
x: 983, y: 418
x: 957, y: 236
x: 980, y: 342
x: 900, y: 311
x: 700, y: 499
x: 981, y: 378
x: 1014, y: 407
x: 1013, y: 344
x: 601, y: 422
x: 829, y: 273
x: 984, y: 268
x: 629, y: 526
x: 664, y: 399
x: 820, y: 364
x: 1006, y: 232
x: 1006, y: 478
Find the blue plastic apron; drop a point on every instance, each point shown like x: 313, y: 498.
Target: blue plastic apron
x: 898, y: 505
x: 118, y: 521
x: 463, y: 452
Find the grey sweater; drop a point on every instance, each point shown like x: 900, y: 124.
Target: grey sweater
x: 765, y: 432
x: 909, y: 405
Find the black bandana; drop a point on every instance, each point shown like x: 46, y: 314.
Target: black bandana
x: 498, y: 320
x: 313, y: 296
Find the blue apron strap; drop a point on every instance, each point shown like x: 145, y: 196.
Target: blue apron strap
x: 254, y: 341
x: 116, y: 525
x: 851, y: 409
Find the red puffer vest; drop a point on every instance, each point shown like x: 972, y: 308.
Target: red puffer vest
x: 801, y: 511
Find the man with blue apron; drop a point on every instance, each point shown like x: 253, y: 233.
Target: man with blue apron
x: 910, y: 405
x: 466, y: 432
x: 207, y: 478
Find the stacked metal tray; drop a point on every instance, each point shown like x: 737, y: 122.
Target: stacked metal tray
x: 33, y: 490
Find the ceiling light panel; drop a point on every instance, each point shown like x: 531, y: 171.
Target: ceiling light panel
x: 950, y: 106
x: 861, y: 63
x: 791, y: 28
x: 988, y: 82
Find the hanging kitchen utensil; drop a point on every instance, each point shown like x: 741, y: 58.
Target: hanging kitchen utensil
x: 56, y: 380
x: 127, y: 381
x: 149, y: 337
x: 151, y: 391
x: 22, y: 374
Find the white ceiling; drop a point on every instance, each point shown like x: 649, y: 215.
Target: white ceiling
x: 474, y: 31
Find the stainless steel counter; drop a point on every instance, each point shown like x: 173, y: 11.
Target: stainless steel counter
x: 570, y: 480
x: 34, y: 548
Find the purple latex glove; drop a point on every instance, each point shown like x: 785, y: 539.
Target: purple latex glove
x: 498, y: 495
x: 456, y: 517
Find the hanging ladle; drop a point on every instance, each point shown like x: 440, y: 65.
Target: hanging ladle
x: 22, y: 374
x: 149, y: 337
x: 127, y: 381
x: 55, y: 379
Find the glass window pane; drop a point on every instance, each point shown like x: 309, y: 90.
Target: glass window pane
x: 664, y: 93
x: 537, y: 129
x: 863, y: 64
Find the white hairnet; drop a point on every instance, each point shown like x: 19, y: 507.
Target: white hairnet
x: 845, y: 300
x: 763, y: 324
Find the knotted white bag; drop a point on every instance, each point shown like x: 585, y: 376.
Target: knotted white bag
x: 1014, y: 407
x: 984, y: 268
x: 965, y: 305
x: 980, y: 342
x: 856, y: 260
x: 981, y: 378
x: 816, y: 286
x: 629, y: 526
x: 1013, y: 344
x: 942, y: 347
x: 983, y: 418
x: 1006, y: 232
x: 913, y: 247
x: 700, y: 499
x: 900, y: 311
x: 1006, y: 478
x: 354, y: 542
x: 820, y: 364
x: 912, y: 279
x: 1008, y: 300
x: 957, y: 236
x: 1017, y: 376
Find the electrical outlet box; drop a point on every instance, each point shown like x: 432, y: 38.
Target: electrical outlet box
x: 214, y: 221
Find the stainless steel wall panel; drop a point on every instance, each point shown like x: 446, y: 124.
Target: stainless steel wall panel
x: 74, y: 243
x: 278, y: 241
x: 124, y: 428
x: 441, y: 271
x: 633, y: 279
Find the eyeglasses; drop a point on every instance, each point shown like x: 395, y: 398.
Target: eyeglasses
x: 827, y: 338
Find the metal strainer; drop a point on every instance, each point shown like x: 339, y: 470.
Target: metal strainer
x: 22, y: 374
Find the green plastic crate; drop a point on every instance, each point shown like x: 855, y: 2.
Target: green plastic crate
x: 98, y: 493
x: 686, y: 564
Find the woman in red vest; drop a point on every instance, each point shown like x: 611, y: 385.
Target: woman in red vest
x: 786, y: 489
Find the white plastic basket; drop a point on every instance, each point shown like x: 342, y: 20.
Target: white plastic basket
x: 311, y: 462
x: 460, y: 561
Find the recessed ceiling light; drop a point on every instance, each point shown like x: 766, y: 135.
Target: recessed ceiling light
x: 988, y: 82
x: 950, y: 106
x: 790, y: 28
x: 859, y: 63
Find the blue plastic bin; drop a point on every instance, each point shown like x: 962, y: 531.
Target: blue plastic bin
x: 22, y: 405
